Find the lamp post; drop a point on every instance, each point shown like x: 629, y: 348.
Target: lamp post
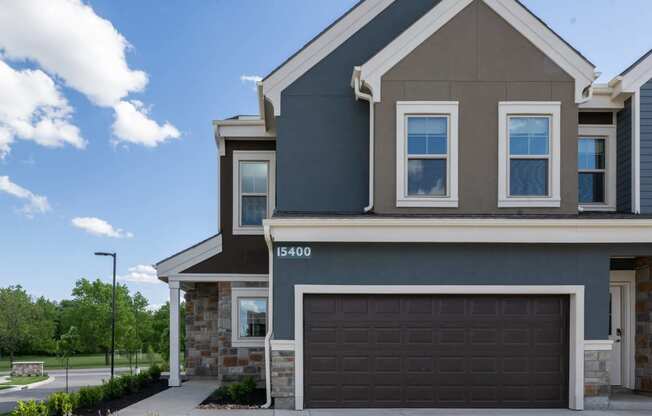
x: 112, y: 312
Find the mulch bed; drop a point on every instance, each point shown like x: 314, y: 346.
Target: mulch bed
x: 119, y: 404
x: 255, y: 400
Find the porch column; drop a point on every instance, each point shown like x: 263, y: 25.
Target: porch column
x: 175, y: 376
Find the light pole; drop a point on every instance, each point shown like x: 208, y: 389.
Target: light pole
x: 112, y: 312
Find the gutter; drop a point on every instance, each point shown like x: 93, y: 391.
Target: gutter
x: 359, y: 95
x: 270, y: 320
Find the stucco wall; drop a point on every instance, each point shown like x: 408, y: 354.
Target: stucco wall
x: 479, y: 60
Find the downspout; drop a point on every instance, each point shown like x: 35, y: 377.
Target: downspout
x: 270, y: 321
x: 359, y: 95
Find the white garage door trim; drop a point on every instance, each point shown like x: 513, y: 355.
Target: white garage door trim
x: 576, y: 293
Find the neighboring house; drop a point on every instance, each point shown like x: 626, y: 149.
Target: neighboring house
x: 437, y: 207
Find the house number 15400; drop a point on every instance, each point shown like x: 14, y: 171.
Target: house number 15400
x: 293, y: 252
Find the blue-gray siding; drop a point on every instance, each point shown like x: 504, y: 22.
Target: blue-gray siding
x: 624, y: 165
x: 646, y: 148
x: 452, y: 264
x: 323, y: 132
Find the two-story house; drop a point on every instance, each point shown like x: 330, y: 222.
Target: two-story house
x: 436, y: 207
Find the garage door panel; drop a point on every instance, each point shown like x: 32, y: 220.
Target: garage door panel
x: 435, y: 351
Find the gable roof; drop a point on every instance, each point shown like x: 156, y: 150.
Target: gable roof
x: 188, y: 257
x: 530, y: 26
x: 632, y: 78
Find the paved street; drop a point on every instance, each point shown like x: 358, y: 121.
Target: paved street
x: 77, y: 379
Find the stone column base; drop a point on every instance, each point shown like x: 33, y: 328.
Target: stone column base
x: 283, y: 379
x: 597, y: 386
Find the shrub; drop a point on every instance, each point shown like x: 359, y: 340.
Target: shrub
x: 142, y: 379
x: 155, y: 372
x: 90, y: 397
x: 30, y: 408
x: 113, y: 389
x: 61, y: 404
x: 239, y: 393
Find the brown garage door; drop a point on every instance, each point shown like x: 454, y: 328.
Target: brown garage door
x: 395, y: 351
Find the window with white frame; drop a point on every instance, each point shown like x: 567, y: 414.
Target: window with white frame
x: 248, y: 316
x: 253, y: 190
x: 426, y: 148
x: 596, y: 164
x: 529, y: 152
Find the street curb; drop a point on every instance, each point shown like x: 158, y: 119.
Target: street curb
x: 49, y: 380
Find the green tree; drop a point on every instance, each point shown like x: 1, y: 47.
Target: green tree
x: 161, y: 329
x: 15, y: 326
x: 67, y: 345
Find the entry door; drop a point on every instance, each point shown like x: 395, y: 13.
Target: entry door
x: 616, y: 335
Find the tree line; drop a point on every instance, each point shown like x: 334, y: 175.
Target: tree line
x: 36, y: 326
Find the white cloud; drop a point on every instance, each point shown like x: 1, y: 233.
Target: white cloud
x: 67, y: 39
x: 34, y: 204
x: 132, y: 125
x: 32, y: 108
x: 99, y: 227
x: 141, y: 274
x: 251, y: 79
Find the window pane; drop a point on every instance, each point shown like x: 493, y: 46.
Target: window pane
x: 427, y: 135
x: 254, y: 210
x: 253, y: 317
x: 528, y: 177
x: 427, y: 177
x: 529, y: 135
x: 591, y: 153
x: 253, y: 177
x: 591, y: 188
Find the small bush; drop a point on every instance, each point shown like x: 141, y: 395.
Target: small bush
x: 239, y: 393
x: 61, y: 404
x: 30, y: 408
x: 113, y: 389
x: 155, y: 372
x: 90, y: 397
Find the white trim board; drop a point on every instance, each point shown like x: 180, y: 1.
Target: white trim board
x: 190, y: 257
x: 513, y: 12
x: 460, y: 230
x: 576, y: 340
x: 598, y: 345
x: 282, y: 345
x: 217, y: 277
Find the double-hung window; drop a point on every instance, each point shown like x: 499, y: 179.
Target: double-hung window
x: 427, y: 142
x: 596, y: 160
x: 248, y: 316
x: 253, y: 186
x: 529, y: 152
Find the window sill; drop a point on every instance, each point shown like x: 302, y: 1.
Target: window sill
x: 248, y: 231
x: 596, y: 208
x: 427, y: 203
x: 529, y: 203
x: 248, y: 343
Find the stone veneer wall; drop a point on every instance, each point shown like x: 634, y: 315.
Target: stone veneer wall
x: 283, y: 379
x: 597, y: 386
x: 644, y: 325
x: 208, y: 337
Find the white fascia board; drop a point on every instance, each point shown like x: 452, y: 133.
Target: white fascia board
x: 522, y: 20
x: 603, y: 98
x: 188, y: 258
x: 460, y: 230
x: 321, y: 47
x: 633, y: 80
x: 241, y: 129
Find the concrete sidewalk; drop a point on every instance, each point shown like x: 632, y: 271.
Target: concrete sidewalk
x: 176, y: 401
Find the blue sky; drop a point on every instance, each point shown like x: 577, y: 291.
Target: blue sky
x: 160, y: 198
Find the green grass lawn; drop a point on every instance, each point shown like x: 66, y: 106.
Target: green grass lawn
x: 22, y: 381
x: 79, y: 361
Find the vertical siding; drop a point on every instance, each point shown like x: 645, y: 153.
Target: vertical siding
x: 646, y: 148
x: 624, y: 157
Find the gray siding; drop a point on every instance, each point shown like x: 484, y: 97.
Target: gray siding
x: 456, y: 264
x: 323, y: 132
x: 624, y: 157
x: 646, y: 148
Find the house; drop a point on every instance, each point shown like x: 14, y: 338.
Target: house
x: 436, y: 207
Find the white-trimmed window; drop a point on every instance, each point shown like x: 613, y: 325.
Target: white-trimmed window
x: 427, y: 154
x: 253, y: 190
x: 248, y: 316
x: 596, y: 165
x: 529, y: 152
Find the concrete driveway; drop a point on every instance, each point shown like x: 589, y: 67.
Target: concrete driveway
x: 76, y: 380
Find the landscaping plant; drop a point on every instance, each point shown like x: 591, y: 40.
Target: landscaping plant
x: 30, y: 408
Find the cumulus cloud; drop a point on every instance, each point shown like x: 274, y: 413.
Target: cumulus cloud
x: 32, y: 108
x: 99, y: 227
x: 251, y: 79
x: 132, y: 125
x: 87, y: 53
x: 141, y: 274
x: 34, y: 204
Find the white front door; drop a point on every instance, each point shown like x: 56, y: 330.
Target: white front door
x: 616, y: 335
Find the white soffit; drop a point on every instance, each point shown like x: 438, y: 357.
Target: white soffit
x: 319, y: 48
x: 512, y: 11
x: 189, y: 257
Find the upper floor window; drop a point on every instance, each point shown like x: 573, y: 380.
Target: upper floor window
x: 529, y: 152
x: 596, y: 163
x: 427, y: 141
x: 253, y: 190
